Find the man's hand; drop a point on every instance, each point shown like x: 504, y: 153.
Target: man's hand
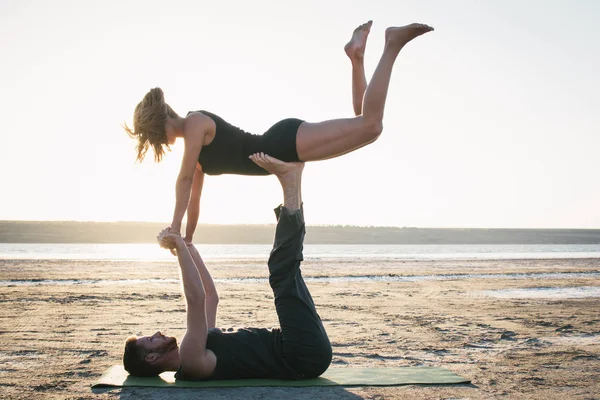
x: 168, y: 240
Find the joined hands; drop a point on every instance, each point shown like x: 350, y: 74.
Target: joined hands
x: 168, y: 239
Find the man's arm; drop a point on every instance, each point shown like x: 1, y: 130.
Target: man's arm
x: 196, y: 360
x: 212, y: 297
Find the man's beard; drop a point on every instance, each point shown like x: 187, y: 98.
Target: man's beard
x: 169, y: 345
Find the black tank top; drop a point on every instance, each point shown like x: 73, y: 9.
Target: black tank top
x: 228, y: 152
x: 246, y: 353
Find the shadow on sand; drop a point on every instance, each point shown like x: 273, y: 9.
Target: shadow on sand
x: 248, y: 393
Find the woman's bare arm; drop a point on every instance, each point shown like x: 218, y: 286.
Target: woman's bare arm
x: 193, y: 209
x: 194, y: 132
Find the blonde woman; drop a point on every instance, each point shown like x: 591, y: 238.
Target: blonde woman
x: 214, y: 147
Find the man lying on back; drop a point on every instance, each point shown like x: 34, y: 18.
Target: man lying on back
x: 298, y: 349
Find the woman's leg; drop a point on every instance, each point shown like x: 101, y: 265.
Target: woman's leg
x: 322, y: 140
x: 355, y: 50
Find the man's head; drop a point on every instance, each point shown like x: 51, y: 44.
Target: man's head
x: 148, y: 355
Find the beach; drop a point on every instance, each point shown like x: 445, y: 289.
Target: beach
x: 507, y: 325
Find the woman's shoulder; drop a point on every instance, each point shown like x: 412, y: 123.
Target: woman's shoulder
x: 198, y: 123
x: 201, y: 113
x: 199, y: 118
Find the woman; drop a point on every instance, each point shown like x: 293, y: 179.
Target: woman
x: 215, y: 147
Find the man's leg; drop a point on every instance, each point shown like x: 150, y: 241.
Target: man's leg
x: 306, y: 346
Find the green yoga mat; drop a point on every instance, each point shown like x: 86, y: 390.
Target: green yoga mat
x: 116, y: 376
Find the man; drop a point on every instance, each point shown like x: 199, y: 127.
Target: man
x: 298, y: 349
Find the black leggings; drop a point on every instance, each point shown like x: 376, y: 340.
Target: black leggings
x: 306, y: 347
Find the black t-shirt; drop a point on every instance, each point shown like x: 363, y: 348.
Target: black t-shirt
x: 246, y: 353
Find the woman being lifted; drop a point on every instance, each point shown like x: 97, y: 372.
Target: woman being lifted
x: 213, y: 146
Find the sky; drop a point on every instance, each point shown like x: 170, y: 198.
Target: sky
x: 492, y: 120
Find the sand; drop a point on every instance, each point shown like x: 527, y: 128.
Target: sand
x: 56, y: 340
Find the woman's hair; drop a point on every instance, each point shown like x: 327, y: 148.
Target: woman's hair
x: 149, y: 120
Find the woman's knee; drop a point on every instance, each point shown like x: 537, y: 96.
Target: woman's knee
x: 372, y: 128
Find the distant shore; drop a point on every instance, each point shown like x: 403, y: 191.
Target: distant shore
x: 145, y: 232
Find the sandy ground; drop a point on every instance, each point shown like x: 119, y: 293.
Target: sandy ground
x: 56, y: 340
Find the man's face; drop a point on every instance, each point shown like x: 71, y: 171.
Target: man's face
x: 157, y: 343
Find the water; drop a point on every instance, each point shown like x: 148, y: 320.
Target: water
x: 364, y: 278
x: 152, y: 252
x: 579, y: 292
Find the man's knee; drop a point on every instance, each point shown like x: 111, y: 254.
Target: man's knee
x: 320, y: 360
x: 311, y: 357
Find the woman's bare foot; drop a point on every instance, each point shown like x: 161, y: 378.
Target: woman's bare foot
x: 397, y: 37
x: 355, y: 48
x: 283, y: 170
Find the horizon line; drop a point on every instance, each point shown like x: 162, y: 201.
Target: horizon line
x: 272, y: 224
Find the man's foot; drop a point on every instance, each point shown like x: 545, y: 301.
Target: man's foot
x: 399, y: 36
x: 283, y: 170
x: 289, y: 175
x: 355, y: 48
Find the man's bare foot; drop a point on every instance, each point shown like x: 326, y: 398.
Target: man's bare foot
x: 289, y: 175
x: 399, y: 36
x: 283, y: 170
x: 355, y: 48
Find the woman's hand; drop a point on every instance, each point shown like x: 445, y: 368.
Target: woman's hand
x: 174, y: 230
